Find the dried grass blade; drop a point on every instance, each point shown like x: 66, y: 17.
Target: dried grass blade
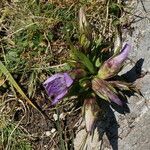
x: 16, y: 86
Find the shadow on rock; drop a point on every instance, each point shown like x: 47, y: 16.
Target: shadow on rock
x: 135, y: 73
x: 107, y: 125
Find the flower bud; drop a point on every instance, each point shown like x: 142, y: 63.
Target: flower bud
x: 85, y: 31
x: 113, y: 65
x: 90, y: 111
x: 105, y: 91
x: 82, y: 20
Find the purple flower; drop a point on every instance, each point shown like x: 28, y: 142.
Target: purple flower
x: 57, y: 86
x: 113, y: 65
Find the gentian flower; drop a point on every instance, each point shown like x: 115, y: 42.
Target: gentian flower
x: 57, y: 86
x: 105, y: 91
x: 113, y: 65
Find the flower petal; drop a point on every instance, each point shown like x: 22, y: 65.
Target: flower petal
x: 68, y: 80
x: 113, y: 65
x: 114, y: 98
x: 57, y: 86
x: 122, y: 56
x: 59, y: 97
x: 53, y: 77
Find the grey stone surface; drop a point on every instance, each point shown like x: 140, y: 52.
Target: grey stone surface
x: 132, y: 130
x: 141, y: 34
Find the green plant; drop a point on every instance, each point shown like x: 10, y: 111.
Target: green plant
x: 94, y: 74
x: 12, y: 138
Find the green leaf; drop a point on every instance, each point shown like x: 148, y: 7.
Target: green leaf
x: 85, y: 42
x: 98, y: 63
x: 79, y: 56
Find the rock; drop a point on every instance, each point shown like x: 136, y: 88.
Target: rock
x: 48, y: 133
x: 141, y: 35
x: 138, y: 137
x: 130, y: 131
x: 145, y: 86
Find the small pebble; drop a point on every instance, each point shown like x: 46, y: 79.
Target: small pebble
x: 53, y: 130
x: 48, y: 133
x: 55, y: 116
x: 62, y: 116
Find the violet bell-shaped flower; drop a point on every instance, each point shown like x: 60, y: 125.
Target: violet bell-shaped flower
x: 113, y: 65
x: 57, y: 86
